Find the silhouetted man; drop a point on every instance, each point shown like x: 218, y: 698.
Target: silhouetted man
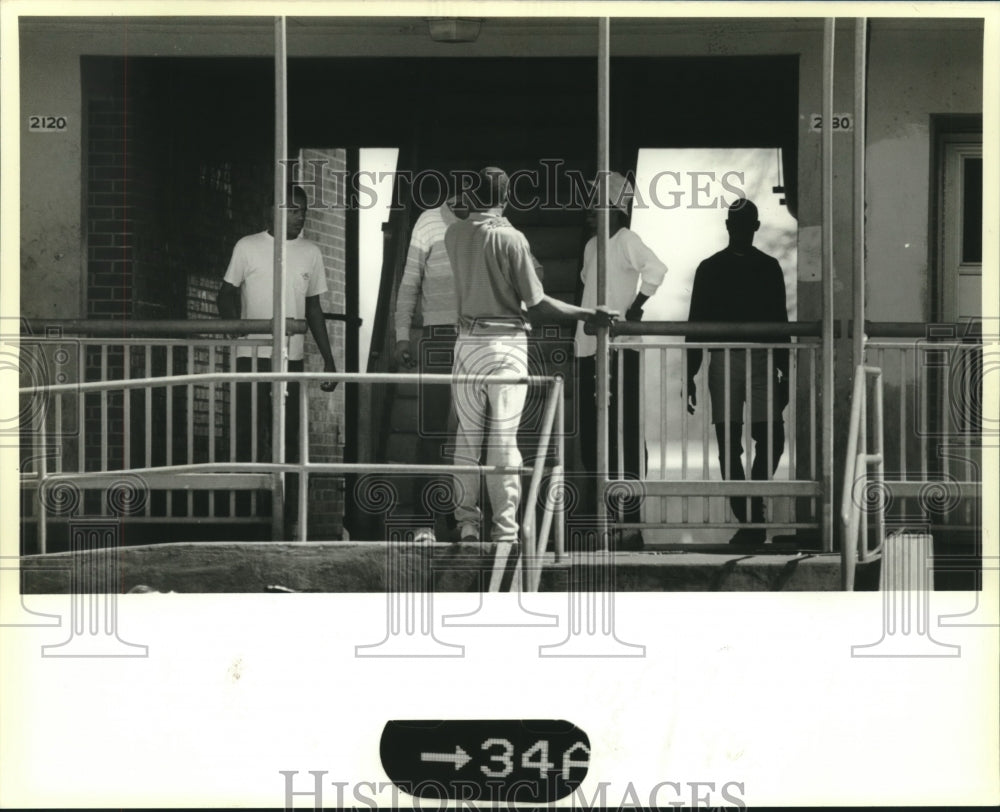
x: 742, y: 284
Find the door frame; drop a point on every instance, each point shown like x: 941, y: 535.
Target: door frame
x: 952, y: 136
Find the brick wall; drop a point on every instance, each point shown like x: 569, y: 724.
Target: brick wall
x: 109, y: 239
x: 110, y: 258
x: 176, y: 175
x: 174, y: 179
x: 326, y: 226
x: 126, y: 273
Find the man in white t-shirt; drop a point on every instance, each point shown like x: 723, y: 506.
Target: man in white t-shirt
x: 633, y: 275
x: 248, y: 292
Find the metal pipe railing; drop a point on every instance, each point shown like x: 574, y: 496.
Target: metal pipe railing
x: 560, y: 481
x: 860, y: 97
x: 826, y: 210
x: 879, y: 461
x: 279, y: 347
x: 660, y: 482
x: 313, y: 467
x: 848, y: 511
x: 554, y: 513
x: 303, y: 492
x: 967, y: 331
x: 853, y: 548
x: 935, y: 389
x: 529, y: 539
x: 603, y: 199
x: 265, y: 377
x: 553, y: 420
x: 713, y: 329
x: 55, y: 329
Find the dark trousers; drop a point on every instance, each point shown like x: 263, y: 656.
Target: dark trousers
x: 759, y: 469
x: 435, y: 354
x: 245, y: 428
x: 626, y: 413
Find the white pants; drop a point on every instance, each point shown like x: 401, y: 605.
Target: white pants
x: 491, y: 411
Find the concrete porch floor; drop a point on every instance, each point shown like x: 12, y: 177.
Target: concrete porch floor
x: 356, y: 566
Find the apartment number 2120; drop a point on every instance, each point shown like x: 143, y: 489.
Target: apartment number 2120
x: 46, y: 123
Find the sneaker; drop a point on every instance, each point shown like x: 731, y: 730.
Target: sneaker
x: 423, y: 535
x: 749, y: 537
x: 469, y: 532
x: 628, y: 541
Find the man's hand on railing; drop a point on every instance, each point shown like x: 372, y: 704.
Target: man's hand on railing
x: 404, y: 357
x: 692, y: 396
x: 634, y: 313
x: 329, y: 386
x: 602, y: 317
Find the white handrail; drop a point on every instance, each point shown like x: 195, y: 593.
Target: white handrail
x: 552, y: 423
x: 853, y: 549
x: 265, y: 377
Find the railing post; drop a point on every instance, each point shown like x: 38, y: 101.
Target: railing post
x: 409, y: 584
x: 529, y: 536
x: 860, y: 92
x: 278, y: 344
x: 880, y: 452
x: 906, y: 583
x: 860, y: 67
x: 601, y: 362
x: 94, y: 586
x: 853, y: 470
x: 861, y: 539
x: 42, y: 473
x: 826, y: 451
x: 303, y: 475
x: 560, y: 482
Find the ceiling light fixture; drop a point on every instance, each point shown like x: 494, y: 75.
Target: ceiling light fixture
x: 454, y: 29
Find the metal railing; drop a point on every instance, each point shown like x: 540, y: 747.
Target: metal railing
x: 857, y: 499
x: 229, y: 474
x: 683, y: 469
x: 933, y: 376
x: 88, y: 430
x: 928, y: 388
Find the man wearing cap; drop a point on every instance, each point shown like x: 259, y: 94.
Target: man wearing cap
x: 494, y: 275
x: 429, y: 280
x: 633, y: 275
x: 741, y: 284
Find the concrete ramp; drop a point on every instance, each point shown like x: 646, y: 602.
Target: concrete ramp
x: 355, y: 566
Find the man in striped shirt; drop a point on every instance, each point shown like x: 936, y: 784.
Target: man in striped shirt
x: 428, y: 281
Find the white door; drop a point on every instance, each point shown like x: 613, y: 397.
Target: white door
x: 961, y: 273
x: 961, y: 229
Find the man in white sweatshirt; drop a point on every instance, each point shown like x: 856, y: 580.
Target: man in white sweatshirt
x: 633, y: 275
